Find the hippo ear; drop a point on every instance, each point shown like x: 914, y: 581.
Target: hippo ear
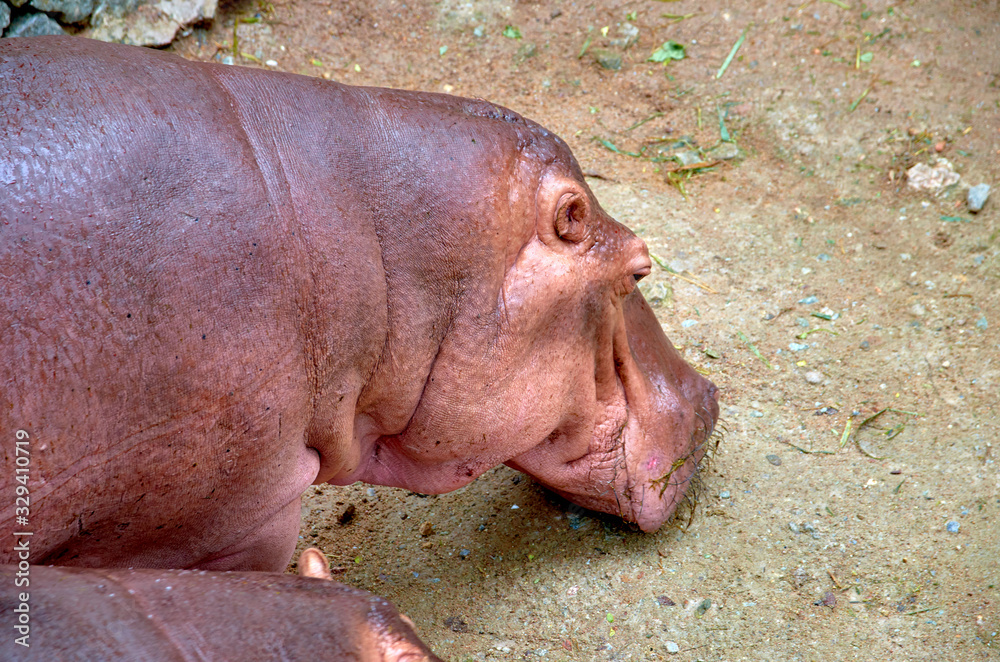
x: 571, y: 218
x: 313, y: 563
x: 565, y: 217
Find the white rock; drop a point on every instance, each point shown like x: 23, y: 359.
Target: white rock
x: 925, y: 177
x: 153, y: 23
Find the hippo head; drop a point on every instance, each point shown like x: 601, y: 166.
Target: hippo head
x: 551, y: 360
x: 635, y: 418
x: 638, y: 417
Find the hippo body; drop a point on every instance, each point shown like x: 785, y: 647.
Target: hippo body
x: 93, y: 615
x: 222, y: 285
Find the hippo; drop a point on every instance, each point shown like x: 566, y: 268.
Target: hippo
x: 223, y: 285
x: 154, y: 615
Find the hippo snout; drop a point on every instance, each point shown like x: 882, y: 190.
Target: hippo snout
x: 673, y: 413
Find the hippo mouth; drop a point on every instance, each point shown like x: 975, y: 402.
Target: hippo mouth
x: 645, y: 474
x: 657, y: 485
x: 642, y: 450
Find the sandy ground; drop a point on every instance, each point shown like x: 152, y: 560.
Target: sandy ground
x: 818, y: 289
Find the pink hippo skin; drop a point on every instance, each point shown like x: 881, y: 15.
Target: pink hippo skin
x: 88, y: 615
x: 222, y: 285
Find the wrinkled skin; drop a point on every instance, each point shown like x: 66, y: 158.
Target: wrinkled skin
x: 225, y: 285
x: 106, y: 615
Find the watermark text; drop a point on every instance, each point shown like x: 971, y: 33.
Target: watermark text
x: 22, y: 537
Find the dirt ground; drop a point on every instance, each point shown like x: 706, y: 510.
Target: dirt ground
x: 812, y: 284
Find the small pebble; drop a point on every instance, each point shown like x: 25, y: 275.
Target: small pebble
x: 977, y: 196
x: 793, y: 527
x: 952, y: 526
x: 725, y: 151
x: 673, y: 648
x: 426, y: 529
x: 607, y: 58
x: 773, y: 459
x: 665, y: 601
x: 271, y: 63
x: 809, y: 300
x: 797, y: 347
x: 687, y: 157
x: 724, y: 494
x: 814, y: 377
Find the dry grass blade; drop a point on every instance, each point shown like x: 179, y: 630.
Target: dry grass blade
x: 685, y: 276
x: 803, y: 450
x: 697, y: 166
x: 753, y: 348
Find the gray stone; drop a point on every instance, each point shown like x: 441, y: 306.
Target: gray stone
x: 67, y: 11
x: 146, y: 22
x: 977, y: 196
x: 814, y: 377
x: 725, y: 151
x: 33, y: 25
x: 687, y: 157
x: 607, y: 58
x: 4, y: 16
x: 116, y: 8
